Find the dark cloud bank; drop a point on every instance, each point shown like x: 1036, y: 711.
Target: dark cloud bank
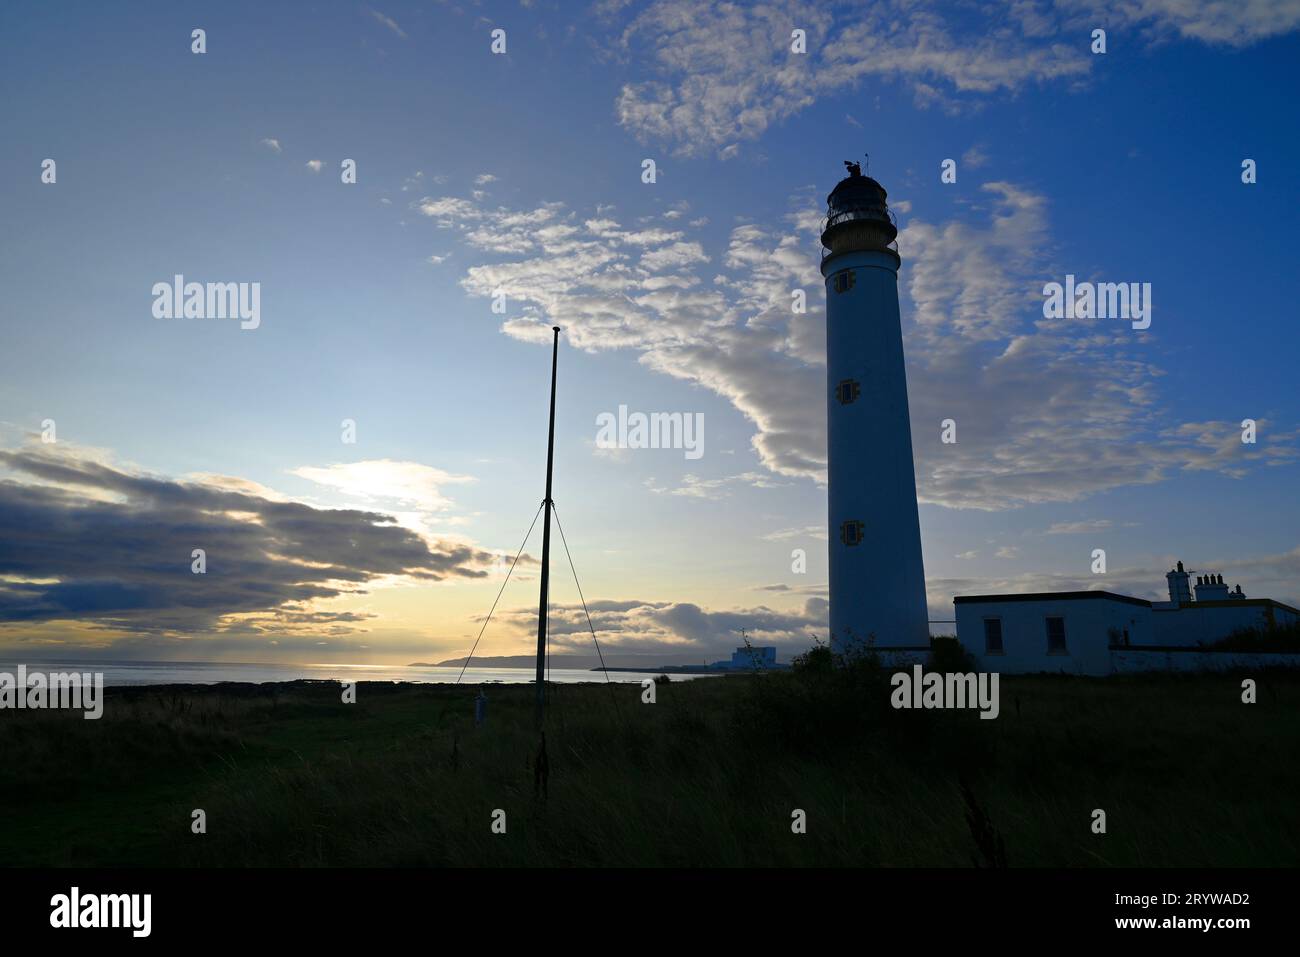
x: 107, y: 547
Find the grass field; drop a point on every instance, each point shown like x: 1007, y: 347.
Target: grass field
x: 710, y: 774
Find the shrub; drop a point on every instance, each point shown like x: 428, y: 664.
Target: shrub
x: 949, y: 656
x: 816, y: 660
x: 1282, y: 638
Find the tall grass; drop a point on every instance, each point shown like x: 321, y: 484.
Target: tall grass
x: 708, y: 775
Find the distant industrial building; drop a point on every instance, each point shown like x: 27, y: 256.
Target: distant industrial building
x: 1100, y: 632
x: 748, y: 658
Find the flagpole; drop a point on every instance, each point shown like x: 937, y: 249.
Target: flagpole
x: 546, y: 542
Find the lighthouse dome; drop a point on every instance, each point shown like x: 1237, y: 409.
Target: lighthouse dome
x: 857, y: 215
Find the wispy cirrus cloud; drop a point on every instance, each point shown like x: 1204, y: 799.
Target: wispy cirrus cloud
x: 1079, y: 528
x: 723, y: 74
x: 785, y: 534
x: 978, y: 348
x: 388, y: 22
x: 694, y: 486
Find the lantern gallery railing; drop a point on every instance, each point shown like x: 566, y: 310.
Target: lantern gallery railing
x: 873, y: 211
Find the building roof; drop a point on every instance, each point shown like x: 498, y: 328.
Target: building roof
x: 1112, y: 596
x: 1053, y: 596
x: 1233, y: 603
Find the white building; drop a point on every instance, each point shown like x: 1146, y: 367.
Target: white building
x: 1099, y: 632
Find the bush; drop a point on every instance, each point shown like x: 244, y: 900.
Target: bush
x: 1282, y: 638
x: 949, y: 656
x: 816, y: 660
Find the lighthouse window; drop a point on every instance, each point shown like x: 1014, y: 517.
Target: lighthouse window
x: 847, y: 391
x: 993, y: 636
x: 1056, y: 636
x: 851, y: 532
x: 844, y: 280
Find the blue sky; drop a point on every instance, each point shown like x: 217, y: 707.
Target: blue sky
x: 522, y: 172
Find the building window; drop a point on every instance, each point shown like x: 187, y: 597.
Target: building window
x: 844, y: 280
x: 1056, y: 636
x: 847, y: 391
x: 851, y: 532
x: 993, y: 636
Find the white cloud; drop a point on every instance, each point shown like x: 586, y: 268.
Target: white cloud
x: 975, y: 157
x: 1079, y: 528
x: 381, y: 481
x: 723, y: 74
x: 272, y: 145
x: 676, y: 256
x: 315, y: 165
x: 785, y: 534
x: 388, y: 22
x: 633, y: 625
x: 1045, y: 411
x: 448, y: 211
x: 1236, y: 24
x: 693, y: 486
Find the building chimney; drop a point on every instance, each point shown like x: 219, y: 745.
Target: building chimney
x: 1211, y: 589
x: 1179, y: 592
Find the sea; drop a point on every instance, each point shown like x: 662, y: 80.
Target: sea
x: 124, y: 673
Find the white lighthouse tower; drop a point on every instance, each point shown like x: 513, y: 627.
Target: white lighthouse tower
x: 877, y: 583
